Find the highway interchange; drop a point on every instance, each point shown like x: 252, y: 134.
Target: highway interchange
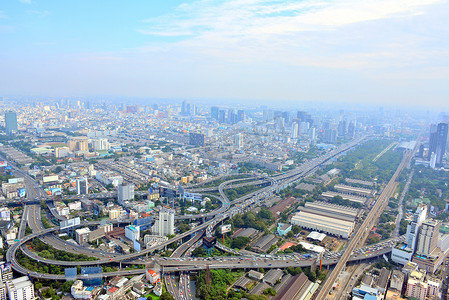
x: 226, y: 210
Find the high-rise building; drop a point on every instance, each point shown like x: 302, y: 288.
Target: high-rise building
x: 196, y: 139
x: 240, y: 115
x: 185, y: 108
x: 312, y: 133
x: 341, y: 128
x: 232, y: 116
x: 82, y: 186
x: 125, y: 193
x: 214, y: 112
x: 166, y: 223
x: 79, y: 143
x: 268, y: 115
x: 61, y: 152
x: 100, y: 144
x: 351, y: 130
x: 428, y: 237
x: 10, y: 122
x: 295, y: 130
x: 432, y: 140
x: 442, y: 131
x: 304, y: 128
x: 20, y: 289
x: 238, y: 141
x: 413, y: 227
x: 221, y: 116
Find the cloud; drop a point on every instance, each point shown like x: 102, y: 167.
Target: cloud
x: 3, y: 15
x: 352, y: 34
x: 25, y: 1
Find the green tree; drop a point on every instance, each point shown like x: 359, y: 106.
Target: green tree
x: 240, y: 242
x: 167, y: 296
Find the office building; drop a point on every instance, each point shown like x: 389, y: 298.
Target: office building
x: 432, y: 140
x: 10, y: 122
x: 295, y: 131
x: 240, y: 115
x: 238, y: 141
x: 166, y: 223
x: 196, y: 139
x: 437, y: 144
x: 428, y: 237
x: 61, y: 152
x: 221, y: 116
x: 214, y: 112
x: 442, y: 131
x: 20, y: 289
x: 125, y: 193
x: 82, y: 186
x: 79, y: 143
x: 100, y: 144
x: 413, y: 227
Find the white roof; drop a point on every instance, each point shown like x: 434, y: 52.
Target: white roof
x: 315, y: 235
x: 313, y: 248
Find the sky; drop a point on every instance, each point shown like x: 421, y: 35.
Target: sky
x: 356, y: 51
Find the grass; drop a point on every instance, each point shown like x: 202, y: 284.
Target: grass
x: 152, y: 296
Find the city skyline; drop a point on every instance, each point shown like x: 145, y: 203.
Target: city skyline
x: 387, y: 52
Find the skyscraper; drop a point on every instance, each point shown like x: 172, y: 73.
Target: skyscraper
x: 166, y: 223
x: 214, y: 112
x: 428, y: 237
x: 413, y: 227
x: 238, y: 141
x: 10, y: 122
x: 432, y: 140
x: 125, y: 193
x: 441, y: 141
x: 82, y: 186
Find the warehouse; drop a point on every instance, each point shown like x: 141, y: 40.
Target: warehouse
x: 313, y: 221
x: 354, y: 190
x: 352, y: 198
x: 331, y: 210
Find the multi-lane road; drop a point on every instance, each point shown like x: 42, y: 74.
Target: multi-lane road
x: 239, y: 205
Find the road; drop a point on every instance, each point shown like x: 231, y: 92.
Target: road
x: 400, y: 204
x: 280, y: 182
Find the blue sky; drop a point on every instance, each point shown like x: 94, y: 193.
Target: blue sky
x: 360, y: 51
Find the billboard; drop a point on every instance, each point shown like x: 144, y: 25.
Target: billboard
x: 22, y: 192
x: 50, y: 178
x: 97, y: 280
x: 69, y: 223
x: 226, y: 228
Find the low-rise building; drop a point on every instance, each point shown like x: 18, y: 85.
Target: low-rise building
x: 255, y: 275
x: 283, y: 229
x: 82, y: 235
